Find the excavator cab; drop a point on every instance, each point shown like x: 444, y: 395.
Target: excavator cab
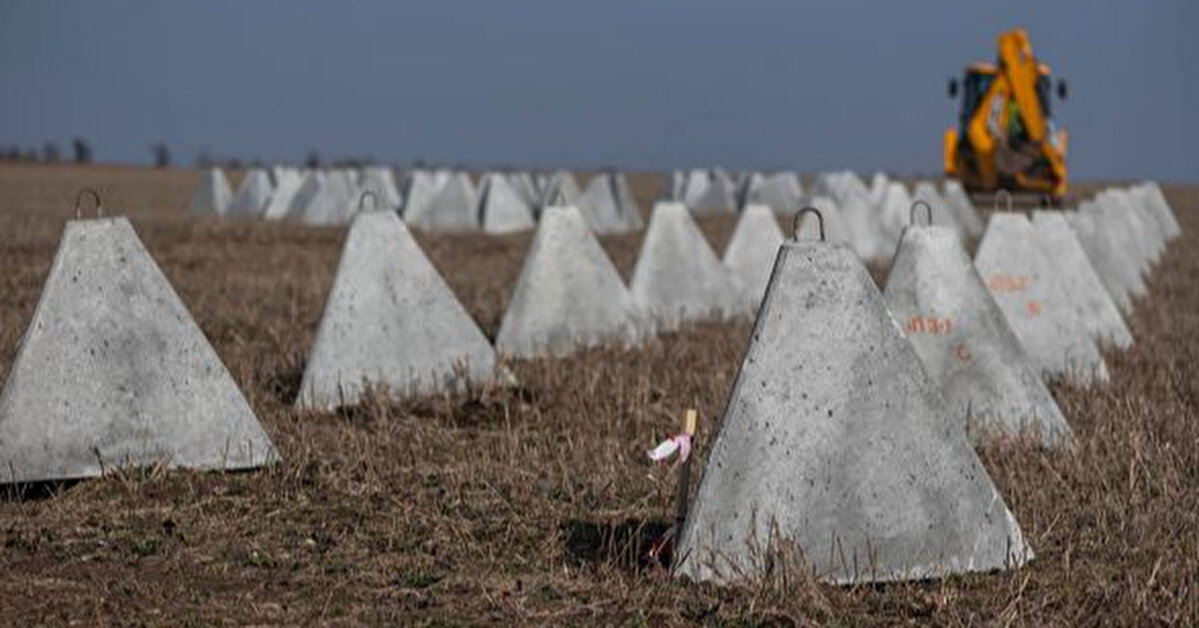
x: 1006, y: 137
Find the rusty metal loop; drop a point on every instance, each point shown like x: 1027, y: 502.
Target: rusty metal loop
x: 362, y: 200
x: 79, y: 202
x: 928, y: 211
x: 1006, y: 194
x: 799, y: 222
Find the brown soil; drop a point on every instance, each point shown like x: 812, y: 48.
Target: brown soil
x: 536, y: 504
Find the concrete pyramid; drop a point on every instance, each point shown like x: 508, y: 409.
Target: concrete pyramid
x: 630, y: 211
x: 212, y: 195
x: 501, y: 208
x: 1150, y: 194
x: 1148, y: 231
x: 607, y: 205
x: 523, y: 183
x: 834, y: 439
x: 113, y: 371
x: 752, y: 249
x: 1020, y: 279
x: 561, y: 189
x: 288, y: 184
x: 390, y: 320
x: 419, y: 193
x: 780, y: 191
x: 1117, y: 275
x: 1126, y: 234
x: 894, y: 213
x: 1083, y: 289
x: 253, y: 194
x: 878, y: 187
x: 598, y: 205
x: 677, y: 276
x: 453, y: 208
x: 957, y: 200
x: 968, y: 349
x: 717, y: 197
x: 333, y: 203
x: 309, y: 188
x: 695, y: 185
x: 569, y: 294
x: 862, y: 228
x: 380, y: 182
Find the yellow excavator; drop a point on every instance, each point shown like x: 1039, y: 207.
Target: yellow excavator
x: 1006, y: 137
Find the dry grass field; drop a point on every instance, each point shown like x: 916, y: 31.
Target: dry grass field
x: 535, y: 504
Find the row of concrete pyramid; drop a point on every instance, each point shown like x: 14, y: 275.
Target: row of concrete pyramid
x: 847, y: 434
x: 569, y: 295
x: 868, y: 219
x: 843, y: 435
x: 429, y: 200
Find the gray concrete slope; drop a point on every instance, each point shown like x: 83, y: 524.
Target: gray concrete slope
x: 834, y: 439
x: 391, y: 320
x: 453, y: 208
x: 677, y: 276
x: 1019, y: 278
x: 212, y: 195
x: 113, y: 372
x: 1151, y: 195
x: 288, y: 184
x: 752, y: 248
x: 1083, y: 288
x: 252, y: 195
x: 965, y: 342
x: 501, y: 208
x: 1117, y: 274
x: 569, y: 294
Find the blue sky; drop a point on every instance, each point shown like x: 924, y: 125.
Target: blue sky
x: 633, y: 83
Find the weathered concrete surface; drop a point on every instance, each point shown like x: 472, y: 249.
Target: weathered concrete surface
x: 1152, y: 240
x: 308, y: 191
x: 561, y: 189
x: 252, y: 195
x: 212, y: 195
x: 453, y: 208
x: 1127, y: 215
x: 1017, y: 275
x: 524, y: 185
x: 333, y: 203
x: 1075, y: 274
x: 957, y: 199
x: 288, y: 182
x: 695, y: 185
x: 677, y: 276
x: 1150, y: 194
x: 834, y: 439
x: 599, y: 206
x: 113, y: 372
x: 894, y: 213
x: 391, y: 321
x: 630, y: 211
x: 780, y: 191
x: 569, y: 294
x: 752, y: 249
x: 502, y: 210
x: 862, y: 228
x: 1119, y: 226
x: 716, y: 197
x: 422, y: 187
x: 382, y: 184
x: 1117, y: 273
x: 965, y: 343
